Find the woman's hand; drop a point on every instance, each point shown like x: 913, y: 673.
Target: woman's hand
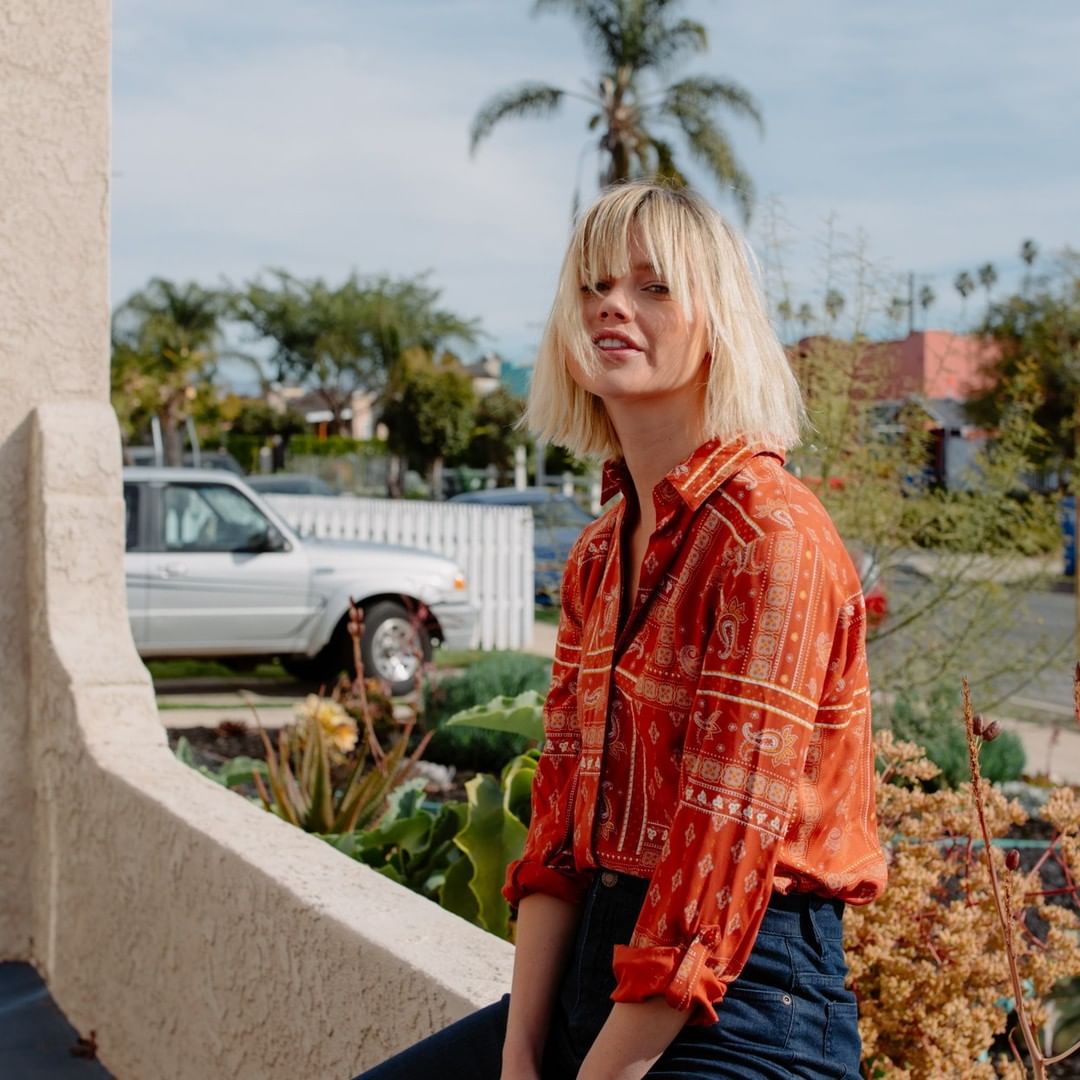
x: 632, y: 1039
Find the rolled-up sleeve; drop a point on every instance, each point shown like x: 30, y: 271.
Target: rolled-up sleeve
x: 785, y: 632
x: 547, y: 862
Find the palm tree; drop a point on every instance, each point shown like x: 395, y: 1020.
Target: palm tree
x: 896, y: 309
x: 964, y: 284
x: 987, y: 277
x: 834, y: 303
x: 634, y: 41
x: 164, y: 348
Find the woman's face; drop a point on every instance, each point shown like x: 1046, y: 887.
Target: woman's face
x: 645, y: 346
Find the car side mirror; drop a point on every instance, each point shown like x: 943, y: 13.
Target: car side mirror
x: 264, y: 540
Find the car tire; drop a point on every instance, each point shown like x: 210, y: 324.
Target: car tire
x: 392, y: 639
x: 305, y: 668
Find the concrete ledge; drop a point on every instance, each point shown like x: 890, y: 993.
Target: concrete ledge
x: 199, y: 936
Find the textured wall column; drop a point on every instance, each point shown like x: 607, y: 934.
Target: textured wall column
x: 54, y: 186
x: 199, y: 936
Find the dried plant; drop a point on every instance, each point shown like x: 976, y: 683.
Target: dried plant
x: 1063, y: 812
x: 930, y: 960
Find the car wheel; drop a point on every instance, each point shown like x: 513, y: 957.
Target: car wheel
x: 393, y: 645
x: 304, y: 668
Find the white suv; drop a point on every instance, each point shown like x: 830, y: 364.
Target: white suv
x: 212, y: 571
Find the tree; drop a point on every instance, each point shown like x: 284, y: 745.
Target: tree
x: 339, y: 340
x: 867, y: 457
x: 964, y: 284
x: 987, y: 277
x: 1038, y: 326
x: 495, y: 434
x: 833, y: 303
x: 164, y: 352
x: 635, y: 42
x: 428, y: 409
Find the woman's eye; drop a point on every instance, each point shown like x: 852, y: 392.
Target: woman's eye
x: 592, y: 290
x: 658, y: 287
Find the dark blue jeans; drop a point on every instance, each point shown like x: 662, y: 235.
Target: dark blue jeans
x: 787, y: 1015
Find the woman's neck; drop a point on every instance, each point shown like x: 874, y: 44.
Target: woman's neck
x: 653, y: 442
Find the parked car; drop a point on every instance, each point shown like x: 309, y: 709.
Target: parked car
x: 208, y: 459
x: 557, y: 523
x: 283, y: 483
x: 213, y: 571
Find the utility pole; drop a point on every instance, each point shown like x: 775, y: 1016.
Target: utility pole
x: 911, y: 302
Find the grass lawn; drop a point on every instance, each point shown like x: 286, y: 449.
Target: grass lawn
x: 213, y: 669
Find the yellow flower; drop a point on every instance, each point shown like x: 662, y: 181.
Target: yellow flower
x: 338, y: 726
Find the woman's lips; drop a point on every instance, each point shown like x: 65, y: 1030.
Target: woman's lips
x: 615, y: 346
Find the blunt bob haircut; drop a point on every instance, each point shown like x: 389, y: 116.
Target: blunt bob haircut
x: 751, y: 393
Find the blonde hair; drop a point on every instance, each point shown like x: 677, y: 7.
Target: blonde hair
x: 751, y: 392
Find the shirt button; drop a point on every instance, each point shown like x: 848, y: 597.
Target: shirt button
x: 608, y: 879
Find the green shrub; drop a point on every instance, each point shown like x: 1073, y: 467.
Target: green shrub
x: 334, y: 445
x: 471, y: 748
x: 934, y: 720
x: 971, y: 522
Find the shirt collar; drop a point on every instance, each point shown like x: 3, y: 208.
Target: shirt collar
x: 696, y: 478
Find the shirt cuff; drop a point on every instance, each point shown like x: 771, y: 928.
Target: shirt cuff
x: 525, y: 877
x: 681, y: 976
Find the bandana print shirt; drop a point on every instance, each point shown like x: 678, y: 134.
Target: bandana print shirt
x: 717, y: 743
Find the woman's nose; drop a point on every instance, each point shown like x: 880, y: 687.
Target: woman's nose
x: 613, y: 306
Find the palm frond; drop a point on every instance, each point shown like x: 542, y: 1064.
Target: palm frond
x: 529, y: 99
x: 711, y: 147
x: 686, y: 36
x: 704, y: 94
x: 665, y: 161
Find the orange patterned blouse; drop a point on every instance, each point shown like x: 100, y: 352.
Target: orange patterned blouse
x: 716, y: 739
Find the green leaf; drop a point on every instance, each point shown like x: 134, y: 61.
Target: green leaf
x: 492, y: 839
x: 455, y: 895
x: 517, y: 787
x: 241, y: 770
x: 405, y: 799
x: 391, y: 873
x: 184, y: 752
x: 521, y: 715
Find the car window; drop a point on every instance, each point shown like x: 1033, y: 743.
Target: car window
x: 131, y: 517
x: 560, y: 514
x: 210, y: 517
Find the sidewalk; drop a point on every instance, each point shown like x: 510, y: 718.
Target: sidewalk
x: 1051, y: 749
x: 1006, y: 569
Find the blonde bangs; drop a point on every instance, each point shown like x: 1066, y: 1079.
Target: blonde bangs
x: 752, y: 392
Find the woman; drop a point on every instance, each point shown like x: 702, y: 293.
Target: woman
x: 704, y: 805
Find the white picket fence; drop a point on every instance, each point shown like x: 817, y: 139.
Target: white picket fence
x: 493, y: 545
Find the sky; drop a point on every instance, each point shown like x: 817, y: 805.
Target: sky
x: 332, y: 136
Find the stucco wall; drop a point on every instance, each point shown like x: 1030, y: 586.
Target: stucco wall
x: 197, y: 935
x: 53, y: 329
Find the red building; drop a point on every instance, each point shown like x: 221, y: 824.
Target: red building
x: 938, y: 371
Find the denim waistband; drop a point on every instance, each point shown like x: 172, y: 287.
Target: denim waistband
x: 787, y: 915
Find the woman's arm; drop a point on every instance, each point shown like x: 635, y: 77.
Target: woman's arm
x: 545, y: 931
x: 631, y: 1040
